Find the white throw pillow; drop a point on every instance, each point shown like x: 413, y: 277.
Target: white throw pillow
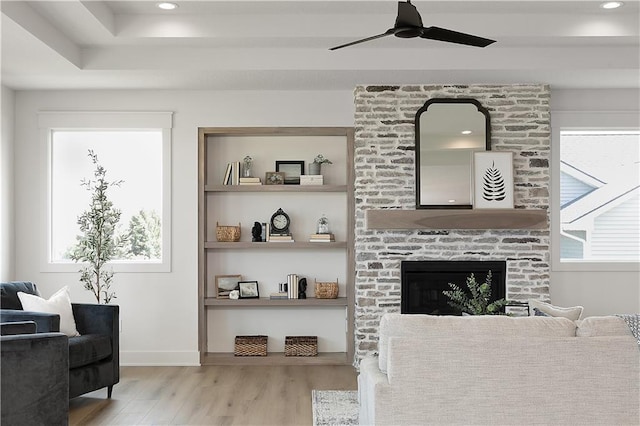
x: 59, y: 303
x: 573, y: 313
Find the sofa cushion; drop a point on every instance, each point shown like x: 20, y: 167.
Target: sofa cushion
x: 87, y: 349
x: 602, y: 326
x: 428, y: 326
x: 59, y: 303
x: 573, y: 313
x: 9, y: 293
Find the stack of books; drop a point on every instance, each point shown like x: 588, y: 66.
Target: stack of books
x: 250, y: 181
x: 322, y: 238
x: 280, y: 238
x: 232, y: 174
x: 278, y: 296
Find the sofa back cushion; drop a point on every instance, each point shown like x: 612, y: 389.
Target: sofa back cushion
x: 430, y: 326
x: 9, y: 293
x: 602, y: 326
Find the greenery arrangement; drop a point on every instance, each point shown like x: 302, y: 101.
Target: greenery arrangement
x: 321, y: 160
x: 475, y: 301
x: 98, y: 242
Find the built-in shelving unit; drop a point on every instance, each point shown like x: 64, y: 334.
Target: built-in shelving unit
x: 218, y: 318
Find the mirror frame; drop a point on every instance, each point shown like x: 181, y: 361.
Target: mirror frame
x: 423, y: 109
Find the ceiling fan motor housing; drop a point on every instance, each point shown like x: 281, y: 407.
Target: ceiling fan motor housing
x: 408, y: 32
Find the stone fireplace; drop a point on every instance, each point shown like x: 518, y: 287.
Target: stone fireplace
x: 384, y: 169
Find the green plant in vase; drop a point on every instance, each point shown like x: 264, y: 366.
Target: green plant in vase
x: 475, y: 301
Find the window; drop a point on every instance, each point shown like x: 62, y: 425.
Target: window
x: 134, y: 150
x: 596, y: 214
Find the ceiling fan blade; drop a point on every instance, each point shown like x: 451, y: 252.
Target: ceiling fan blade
x: 388, y: 32
x: 442, y: 34
x: 408, y: 15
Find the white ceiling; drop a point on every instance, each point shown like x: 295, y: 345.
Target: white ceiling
x: 275, y: 45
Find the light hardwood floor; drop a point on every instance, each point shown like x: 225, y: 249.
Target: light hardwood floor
x: 211, y: 395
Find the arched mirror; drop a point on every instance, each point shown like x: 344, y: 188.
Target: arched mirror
x: 448, y: 132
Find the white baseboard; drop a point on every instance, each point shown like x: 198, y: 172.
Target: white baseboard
x: 183, y: 358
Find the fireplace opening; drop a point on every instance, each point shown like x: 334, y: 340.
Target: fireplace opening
x: 422, y: 283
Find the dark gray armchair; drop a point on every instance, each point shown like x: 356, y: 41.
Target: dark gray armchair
x: 94, y: 356
x: 35, y: 376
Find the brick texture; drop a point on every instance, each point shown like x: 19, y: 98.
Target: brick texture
x: 385, y: 178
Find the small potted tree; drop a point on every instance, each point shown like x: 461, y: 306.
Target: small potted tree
x: 99, y: 242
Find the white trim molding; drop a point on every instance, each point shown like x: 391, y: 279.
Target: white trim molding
x: 582, y: 120
x: 49, y: 121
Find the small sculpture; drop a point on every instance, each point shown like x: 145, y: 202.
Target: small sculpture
x: 256, y: 231
x: 323, y: 225
x: 234, y: 294
x: 247, y: 162
x: 302, y: 288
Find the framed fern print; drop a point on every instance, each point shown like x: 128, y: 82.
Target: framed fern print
x: 493, y: 180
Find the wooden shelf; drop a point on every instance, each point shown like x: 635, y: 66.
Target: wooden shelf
x: 275, y: 188
x: 274, y: 245
x: 456, y: 219
x: 276, y: 358
x: 311, y: 301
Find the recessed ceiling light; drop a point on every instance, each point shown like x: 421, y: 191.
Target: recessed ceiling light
x: 466, y: 132
x: 611, y: 5
x: 167, y: 6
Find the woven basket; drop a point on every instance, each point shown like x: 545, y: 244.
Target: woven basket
x: 326, y: 290
x: 250, y: 346
x: 301, y: 346
x: 227, y: 233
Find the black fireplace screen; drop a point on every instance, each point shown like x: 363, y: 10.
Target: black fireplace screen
x: 424, y: 281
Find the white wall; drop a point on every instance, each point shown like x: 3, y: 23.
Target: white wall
x: 159, y: 310
x: 600, y: 292
x: 6, y: 184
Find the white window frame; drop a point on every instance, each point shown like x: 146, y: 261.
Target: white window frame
x: 582, y: 120
x: 50, y: 121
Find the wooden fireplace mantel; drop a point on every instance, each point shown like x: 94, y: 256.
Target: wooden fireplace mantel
x: 457, y: 219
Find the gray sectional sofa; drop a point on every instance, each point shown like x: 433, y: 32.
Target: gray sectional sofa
x: 494, y: 370
x: 93, y: 358
x: 34, y: 387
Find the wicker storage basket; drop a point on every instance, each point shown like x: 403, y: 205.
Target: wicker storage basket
x: 326, y: 290
x: 301, y: 346
x: 250, y: 346
x: 227, y: 233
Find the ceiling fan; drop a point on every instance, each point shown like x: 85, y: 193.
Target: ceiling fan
x: 409, y: 25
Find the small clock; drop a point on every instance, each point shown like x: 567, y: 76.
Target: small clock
x: 280, y: 223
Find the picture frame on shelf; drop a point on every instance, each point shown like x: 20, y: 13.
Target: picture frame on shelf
x: 225, y: 284
x: 493, y: 180
x: 249, y: 290
x: 274, y: 178
x: 292, y: 169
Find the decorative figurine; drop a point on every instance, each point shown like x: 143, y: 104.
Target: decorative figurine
x: 256, y: 232
x: 247, y: 162
x: 323, y: 225
x: 302, y: 288
x: 234, y: 294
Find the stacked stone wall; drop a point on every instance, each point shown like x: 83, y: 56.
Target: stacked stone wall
x: 385, y: 179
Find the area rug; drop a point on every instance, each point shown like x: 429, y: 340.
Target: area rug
x: 333, y: 408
